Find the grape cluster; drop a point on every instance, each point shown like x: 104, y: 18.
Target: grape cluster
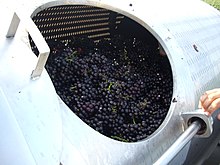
x: 120, y: 87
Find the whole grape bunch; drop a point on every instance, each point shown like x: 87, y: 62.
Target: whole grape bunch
x: 120, y: 87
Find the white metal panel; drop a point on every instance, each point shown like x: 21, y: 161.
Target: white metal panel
x: 188, y: 30
x: 33, y: 103
x: 13, y: 147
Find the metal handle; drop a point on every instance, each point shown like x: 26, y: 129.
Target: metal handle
x: 175, y: 148
x: 38, y: 39
x: 197, y: 124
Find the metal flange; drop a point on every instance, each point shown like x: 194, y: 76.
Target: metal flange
x: 205, y: 120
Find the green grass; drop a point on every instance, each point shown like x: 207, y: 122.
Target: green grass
x: 214, y: 3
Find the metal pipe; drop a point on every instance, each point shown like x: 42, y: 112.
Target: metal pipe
x: 175, y: 148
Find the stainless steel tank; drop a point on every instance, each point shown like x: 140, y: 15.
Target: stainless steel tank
x: 188, y: 31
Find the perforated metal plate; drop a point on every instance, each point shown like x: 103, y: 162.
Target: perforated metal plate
x: 63, y: 22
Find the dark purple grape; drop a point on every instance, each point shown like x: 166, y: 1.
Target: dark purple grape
x: 120, y: 87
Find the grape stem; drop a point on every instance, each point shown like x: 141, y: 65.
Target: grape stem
x: 119, y: 138
x: 133, y: 120
x: 110, y: 85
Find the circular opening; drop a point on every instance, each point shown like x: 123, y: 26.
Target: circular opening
x: 203, y: 128
x: 107, y: 69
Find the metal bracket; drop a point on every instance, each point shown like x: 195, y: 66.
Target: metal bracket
x: 38, y: 39
x: 206, y: 122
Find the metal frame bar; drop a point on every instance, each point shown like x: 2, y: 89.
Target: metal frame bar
x: 38, y: 39
x: 178, y: 145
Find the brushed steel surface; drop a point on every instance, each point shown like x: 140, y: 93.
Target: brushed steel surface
x: 189, y: 32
